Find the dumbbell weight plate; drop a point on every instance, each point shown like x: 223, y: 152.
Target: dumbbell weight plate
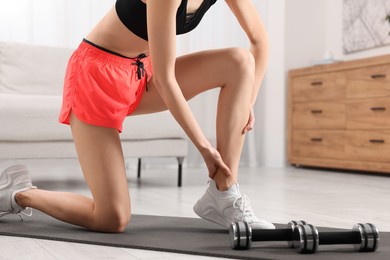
x: 374, y: 237
x: 369, y: 237
x: 292, y: 224
x: 306, y: 239
x: 240, y: 234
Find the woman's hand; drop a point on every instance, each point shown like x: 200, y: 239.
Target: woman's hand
x: 250, y: 124
x: 214, y: 161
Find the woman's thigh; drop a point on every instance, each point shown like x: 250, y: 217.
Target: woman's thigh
x: 100, y: 154
x: 195, y: 73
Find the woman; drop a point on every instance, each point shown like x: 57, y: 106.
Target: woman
x: 103, y: 86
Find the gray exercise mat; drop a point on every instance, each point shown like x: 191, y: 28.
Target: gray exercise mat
x: 174, y: 234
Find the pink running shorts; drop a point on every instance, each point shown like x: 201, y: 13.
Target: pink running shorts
x: 101, y: 87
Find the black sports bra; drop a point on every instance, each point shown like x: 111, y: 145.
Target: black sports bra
x: 132, y: 13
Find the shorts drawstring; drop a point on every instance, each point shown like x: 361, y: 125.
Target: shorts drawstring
x: 140, y: 67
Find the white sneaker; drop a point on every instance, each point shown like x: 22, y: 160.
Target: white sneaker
x: 14, y: 179
x: 226, y: 207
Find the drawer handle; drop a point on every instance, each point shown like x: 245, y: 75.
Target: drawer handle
x: 377, y: 141
x: 316, y: 111
x: 316, y: 83
x: 378, y: 76
x: 378, y: 109
x: 316, y: 139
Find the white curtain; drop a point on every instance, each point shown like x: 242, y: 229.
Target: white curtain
x: 64, y: 23
x: 50, y: 22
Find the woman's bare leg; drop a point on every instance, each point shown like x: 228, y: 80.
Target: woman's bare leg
x: 231, y: 69
x: 100, y: 154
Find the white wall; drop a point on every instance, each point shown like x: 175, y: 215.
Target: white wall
x: 49, y: 22
x: 272, y: 96
x: 305, y: 31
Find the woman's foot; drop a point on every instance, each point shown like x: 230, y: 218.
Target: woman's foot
x: 13, y: 179
x: 226, y: 207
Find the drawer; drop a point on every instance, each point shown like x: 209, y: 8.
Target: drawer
x: 314, y: 115
x: 318, y: 144
x: 368, y: 114
x: 368, y: 146
x: 368, y: 82
x: 319, y: 87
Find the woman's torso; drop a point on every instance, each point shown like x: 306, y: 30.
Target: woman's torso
x: 112, y: 34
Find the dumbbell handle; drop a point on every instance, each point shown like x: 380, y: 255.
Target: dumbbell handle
x: 339, y: 238
x: 272, y: 235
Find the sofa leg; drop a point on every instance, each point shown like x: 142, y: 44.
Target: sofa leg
x: 180, y: 161
x: 139, y: 168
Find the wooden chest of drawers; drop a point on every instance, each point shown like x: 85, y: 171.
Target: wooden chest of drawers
x: 339, y: 115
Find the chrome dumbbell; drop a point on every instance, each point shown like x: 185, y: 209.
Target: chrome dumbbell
x: 242, y: 235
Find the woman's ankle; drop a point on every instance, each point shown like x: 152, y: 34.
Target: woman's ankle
x: 224, y: 184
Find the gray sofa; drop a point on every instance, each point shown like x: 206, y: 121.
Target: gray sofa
x: 31, y: 79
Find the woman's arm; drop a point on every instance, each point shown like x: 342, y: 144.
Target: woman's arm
x: 161, y: 20
x: 250, y: 21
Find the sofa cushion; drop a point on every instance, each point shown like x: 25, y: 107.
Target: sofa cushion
x: 31, y: 118
x: 160, y: 125
x: 35, y: 118
x: 31, y: 69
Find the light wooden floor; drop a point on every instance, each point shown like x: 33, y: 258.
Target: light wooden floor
x: 323, y: 198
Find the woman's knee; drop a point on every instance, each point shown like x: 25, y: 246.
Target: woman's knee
x: 242, y: 69
x: 242, y: 60
x: 114, y: 221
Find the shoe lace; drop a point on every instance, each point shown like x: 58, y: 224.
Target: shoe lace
x: 242, y: 203
x: 27, y: 212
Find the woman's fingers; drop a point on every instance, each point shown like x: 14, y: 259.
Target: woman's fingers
x: 250, y: 124
x: 214, y: 162
x: 224, y: 168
